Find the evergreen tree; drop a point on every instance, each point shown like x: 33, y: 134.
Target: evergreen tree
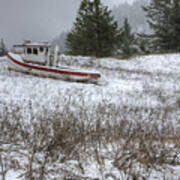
x: 144, y: 44
x: 127, y: 40
x: 134, y: 13
x: 175, y: 25
x: 164, y: 19
x: 95, y: 31
x: 3, y: 49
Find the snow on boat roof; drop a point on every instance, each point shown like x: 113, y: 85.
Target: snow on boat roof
x: 33, y: 44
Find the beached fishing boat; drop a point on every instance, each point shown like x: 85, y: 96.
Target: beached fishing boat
x: 39, y: 59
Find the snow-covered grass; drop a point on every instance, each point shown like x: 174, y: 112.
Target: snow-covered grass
x: 98, y: 131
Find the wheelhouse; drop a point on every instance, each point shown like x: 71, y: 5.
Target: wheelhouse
x: 38, y: 53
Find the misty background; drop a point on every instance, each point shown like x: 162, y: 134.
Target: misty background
x: 47, y: 20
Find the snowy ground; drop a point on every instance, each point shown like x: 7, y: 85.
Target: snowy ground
x: 138, y: 82
x: 141, y: 82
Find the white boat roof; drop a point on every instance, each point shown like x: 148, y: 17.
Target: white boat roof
x: 33, y: 44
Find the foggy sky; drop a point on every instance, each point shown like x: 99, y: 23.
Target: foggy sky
x: 38, y: 20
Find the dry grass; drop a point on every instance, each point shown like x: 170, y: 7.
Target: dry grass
x: 52, y: 139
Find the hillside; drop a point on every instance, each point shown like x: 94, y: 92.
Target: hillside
x: 141, y: 99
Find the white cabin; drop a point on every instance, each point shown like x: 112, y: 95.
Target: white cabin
x: 38, y: 53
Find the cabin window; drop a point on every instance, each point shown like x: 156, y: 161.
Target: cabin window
x: 35, y: 51
x: 41, y: 49
x: 29, y: 51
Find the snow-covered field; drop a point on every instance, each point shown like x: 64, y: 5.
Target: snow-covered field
x: 139, y: 82
x: 127, y: 82
x: 145, y: 82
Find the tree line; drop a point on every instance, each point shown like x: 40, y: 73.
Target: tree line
x: 96, y: 33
